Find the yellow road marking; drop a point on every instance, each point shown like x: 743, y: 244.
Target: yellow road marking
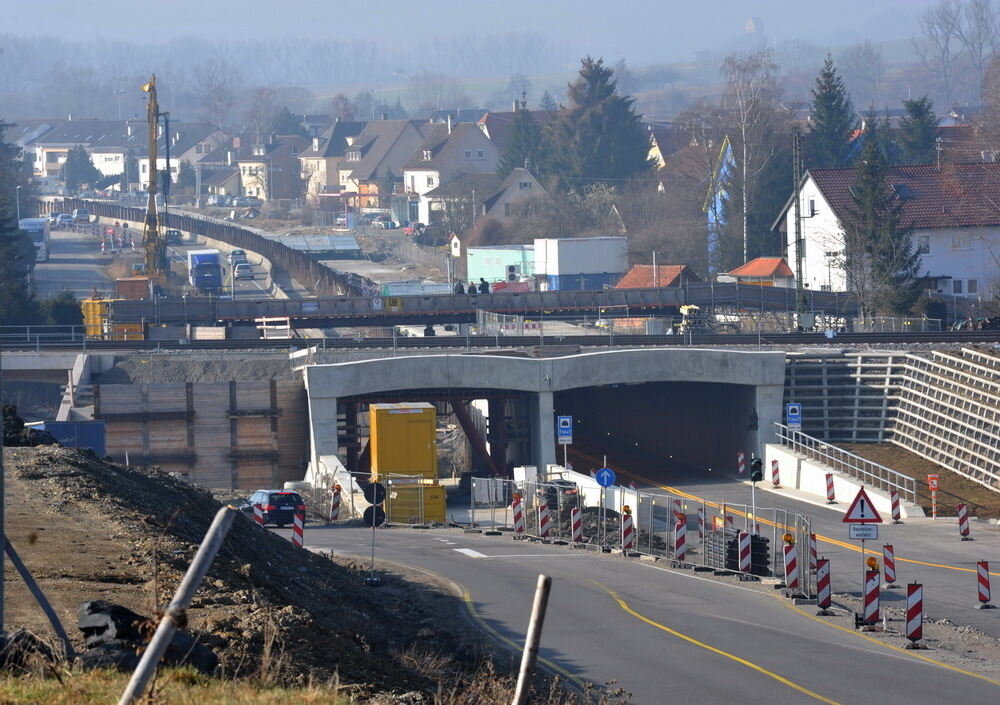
x: 784, y: 527
x: 691, y: 640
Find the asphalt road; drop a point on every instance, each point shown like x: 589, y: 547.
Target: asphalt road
x: 75, y: 264
x: 926, y: 551
x: 663, y: 635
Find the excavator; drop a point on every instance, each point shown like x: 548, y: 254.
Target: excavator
x: 153, y: 243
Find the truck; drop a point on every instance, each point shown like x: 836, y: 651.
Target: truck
x: 205, y: 270
x: 38, y: 230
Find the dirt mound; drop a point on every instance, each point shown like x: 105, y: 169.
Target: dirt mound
x: 265, y: 607
x: 16, y: 435
x: 171, y: 368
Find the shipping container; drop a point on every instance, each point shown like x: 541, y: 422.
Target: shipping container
x: 79, y: 434
x: 581, y: 282
x: 581, y: 255
x: 414, y: 501
x: 133, y: 288
x: 403, y: 439
x: 95, y: 313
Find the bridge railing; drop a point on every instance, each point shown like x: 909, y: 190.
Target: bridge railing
x: 870, y: 473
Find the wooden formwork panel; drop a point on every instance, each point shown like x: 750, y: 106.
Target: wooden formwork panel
x: 122, y: 436
x: 254, y: 434
x: 253, y: 395
x: 166, y: 397
x: 293, y: 430
x: 254, y: 476
x: 167, y: 436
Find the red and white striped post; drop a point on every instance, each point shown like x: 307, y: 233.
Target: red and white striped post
x: 741, y: 463
x: 680, y: 540
x: 628, y: 532
x: 744, y: 552
x: 576, y: 524
x: 824, y: 595
x: 335, y: 504
x: 258, y: 514
x: 791, y: 567
x: 963, y: 521
x: 543, y: 520
x: 983, y: 569
x: 889, y: 565
x: 831, y: 498
x: 518, y: 511
x: 701, y: 523
x: 872, y: 581
x: 894, y: 500
x: 298, y: 527
x: 775, y: 477
x: 812, y: 553
x: 914, y: 614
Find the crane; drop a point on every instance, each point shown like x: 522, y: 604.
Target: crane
x: 155, y: 247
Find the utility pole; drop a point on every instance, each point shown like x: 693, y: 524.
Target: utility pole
x: 797, y: 215
x: 168, y: 180
x: 152, y: 242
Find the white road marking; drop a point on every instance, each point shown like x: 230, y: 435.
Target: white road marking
x: 470, y: 553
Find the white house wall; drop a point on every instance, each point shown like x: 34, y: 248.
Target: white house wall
x: 821, y: 233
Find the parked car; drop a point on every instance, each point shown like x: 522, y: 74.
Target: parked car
x: 243, y: 270
x: 54, y: 218
x: 245, y: 202
x: 81, y: 215
x: 217, y: 199
x: 173, y: 236
x: 65, y: 220
x: 279, y: 506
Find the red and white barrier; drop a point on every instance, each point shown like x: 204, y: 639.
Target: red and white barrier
x: 889, y: 564
x: 813, y: 555
x: 831, y: 498
x: 701, y: 522
x: 741, y: 463
x: 983, y: 568
x: 894, y: 500
x: 518, y: 511
x: 824, y: 595
x: 335, y: 504
x: 576, y: 524
x: 680, y: 540
x: 675, y: 507
x: 775, y: 477
x: 872, y: 581
x: 744, y: 552
x: 543, y: 520
x: 791, y: 567
x: 258, y: 514
x: 914, y: 612
x: 628, y: 533
x: 963, y: 522
x: 298, y: 528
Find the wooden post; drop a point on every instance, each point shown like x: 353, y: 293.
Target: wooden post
x: 530, y: 655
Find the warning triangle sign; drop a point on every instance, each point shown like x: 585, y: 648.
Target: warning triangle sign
x: 862, y: 511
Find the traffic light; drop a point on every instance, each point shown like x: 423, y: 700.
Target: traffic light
x: 756, y: 470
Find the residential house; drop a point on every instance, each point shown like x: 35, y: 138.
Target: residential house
x: 518, y: 189
x: 320, y: 161
x: 764, y: 271
x: 107, y: 141
x: 447, y: 151
x: 665, y: 139
x: 315, y: 124
x: 457, y: 115
x: 467, y: 191
x: 953, y: 210
x: 23, y: 135
x: 496, y: 125
x: 271, y: 170
x: 189, y: 142
x: 374, y: 159
x: 661, y: 276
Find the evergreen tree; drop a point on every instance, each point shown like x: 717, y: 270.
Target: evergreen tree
x: 79, y: 169
x: 185, y: 175
x: 832, y: 119
x: 918, y: 131
x: 285, y: 122
x: 547, y: 102
x: 598, y: 136
x: 62, y: 310
x: 17, y: 255
x: 130, y: 172
x: 524, y: 145
x: 880, y: 261
x: 879, y: 132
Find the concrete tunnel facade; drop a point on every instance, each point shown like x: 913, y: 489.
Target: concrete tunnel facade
x: 703, y: 404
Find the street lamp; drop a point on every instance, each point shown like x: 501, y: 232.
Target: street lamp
x: 17, y: 201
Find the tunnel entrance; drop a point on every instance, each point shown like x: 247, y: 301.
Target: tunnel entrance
x: 667, y: 431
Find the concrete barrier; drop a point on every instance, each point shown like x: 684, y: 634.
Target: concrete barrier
x: 807, y: 475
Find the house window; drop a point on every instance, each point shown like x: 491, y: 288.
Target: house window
x: 956, y: 286
x: 811, y: 210
x: 923, y: 244
x: 962, y: 241
x: 480, y: 154
x: 507, y: 210
x: 427, y: 155
x: 524, y: 185
x: 468, y: 154
x: 430, y: 181
x: 197, y: 148
x: 354, y: 156
x: 144, y: 166
x: 972, y: 286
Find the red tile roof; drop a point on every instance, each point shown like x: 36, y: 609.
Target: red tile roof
x: 764, y: 267
x: 641, y: 276
x: 954, y: 195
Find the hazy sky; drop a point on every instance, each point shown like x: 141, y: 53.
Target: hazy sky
x: 641, y: 30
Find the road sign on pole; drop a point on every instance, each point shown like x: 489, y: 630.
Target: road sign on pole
x: 564, y: 430
x: 605, y: 477
x: 793, y: 416
x: 932, y: 484
x: 866, y: 532
x: 861, y: 510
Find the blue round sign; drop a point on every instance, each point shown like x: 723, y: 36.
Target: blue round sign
x: 605, y: 477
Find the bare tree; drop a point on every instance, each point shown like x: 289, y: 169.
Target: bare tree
x: 989, y: 118
x: 260, y: 113
x: 218, y: 83
x: 977, y: 32
x: 864, y: 67
x: 939, y: 46
x: 750, y: 95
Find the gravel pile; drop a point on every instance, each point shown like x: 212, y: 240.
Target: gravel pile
x: 175, y: 368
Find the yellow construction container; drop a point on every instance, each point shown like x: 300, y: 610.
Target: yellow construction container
x: 403, y: 439
x: 95, y: 313
x: 414, y: 500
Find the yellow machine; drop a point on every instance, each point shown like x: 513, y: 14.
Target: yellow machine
x: 155, y: 246
x: 403, y: 439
